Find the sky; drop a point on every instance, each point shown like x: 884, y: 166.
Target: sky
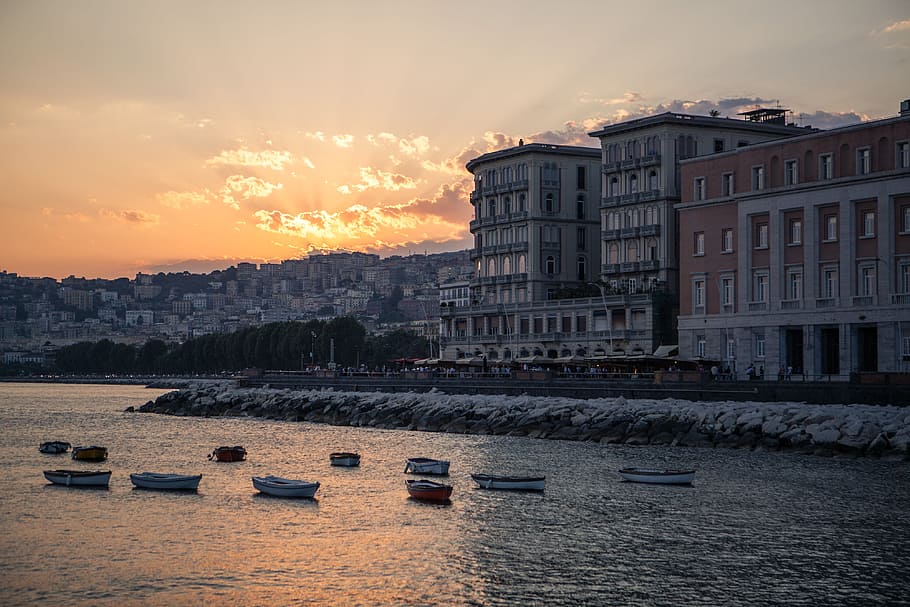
x: 147, y: 136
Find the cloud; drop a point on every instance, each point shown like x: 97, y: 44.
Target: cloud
x: 343, y: 141
x: 270, y: 159
x: 414, y: 147
x: 317, y: 135
x: 135, y: 216
x: 630, y: 97
x: 897, y: 26
x: 182, y: 200
x: 440, y: 219
x: 371, y: 178
x: 246, y: 187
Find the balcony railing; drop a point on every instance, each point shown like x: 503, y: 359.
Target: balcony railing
x: 629, y: 232
x: 609, y: 268
x: 609, y: 234
x: 758, y: 306
x: 791, y: 304
x: 630, y: 266
x: 651, y: 230
x: 649, y: 265
x: 826, y: 302
x: 900, y: 298
x: 864, y: 300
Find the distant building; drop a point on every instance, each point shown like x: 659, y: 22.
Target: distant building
x: 795, y: 254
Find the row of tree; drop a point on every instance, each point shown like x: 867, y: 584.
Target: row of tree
x: 282, y: 345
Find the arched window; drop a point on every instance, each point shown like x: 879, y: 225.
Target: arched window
x: 614, y: 187
x: 652, y: 180
x: 651, y: 249
x: 633, y: 184
x: 613, y: 253
x: 521, y: 264
x: 507, y: 205
x: 507, y: 265
x: 491, y: 267
x: 550, y: 266
x: 632, y: 251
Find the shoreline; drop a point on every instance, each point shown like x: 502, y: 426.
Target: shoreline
x: 828, y: 430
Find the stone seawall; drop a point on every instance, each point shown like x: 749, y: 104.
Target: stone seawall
x: 820, y: 429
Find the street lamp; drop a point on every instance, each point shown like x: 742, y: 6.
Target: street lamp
x: 312, y: 347
x: 603, y: 297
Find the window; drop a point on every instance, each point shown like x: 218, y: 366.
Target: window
x: 830, y: 228
x: 580, y: 178
x: 758, y: 178
x: 905, y: 347
x: 548, y: 204
x: 791, y: 174
x: 825, y: 166
x: 905, y: 278
x: 580, y: 207
x: 613, y: 190
x: 863, y: 161
x: 491, y: 208
x: 699, y: 188
x: 727, y: 240
x: 726, y: 183
x: 700, y: 346
x: 652, y: 180
x: 581, y: 237
x: 582, y: 267
x: 902, y: 157
x: 760, y: 294
x: 491, y: 267
x: 759, y: 346
x: 795, y: 284
x: 796, y: 231
x: 905, y: 219
x: 731, y: 349
x: 726, y: 291
x: 551, y: 265
x: 868, y: 224
x: 633, y: 184
x: 718, y: 145
x: 521, y: 202
x: 829, y: 283
x: 867, y: 281
x: 761, y: 236
x: 698, y: 294
x: 699, y: 243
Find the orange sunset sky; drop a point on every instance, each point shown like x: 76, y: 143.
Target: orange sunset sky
x: 168, y: 136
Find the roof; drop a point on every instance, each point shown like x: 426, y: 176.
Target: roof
x: 698, y: 121
x: 529, y: 148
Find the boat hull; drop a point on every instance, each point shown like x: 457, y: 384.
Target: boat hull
x: 89, y: 454
x: 348, y: 460
x: 424, y: 465
x: 54, y: 447
x: 79, y: 478
x: 228, y: 454
x: 154, y: 480
x: 283, y: 487
x: 658, y: 476
x: 515, y: 483
x: 428, y: 490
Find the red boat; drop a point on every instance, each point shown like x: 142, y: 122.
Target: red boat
x: 228, y: 454
x: 428, y: 490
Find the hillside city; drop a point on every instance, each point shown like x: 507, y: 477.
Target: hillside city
x: 40, y: 315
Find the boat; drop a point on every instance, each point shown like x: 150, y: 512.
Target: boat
x: 228, y: 454
x: 157, y: 480
x: 523, y: 483
x: 425, y: 465
x: 79, y: 478
x: 284, y: 487
x: 344, y: 458
x: 55, y: 447
x: 430, y: 491
x: 90, y: 454
x: 658, y: 476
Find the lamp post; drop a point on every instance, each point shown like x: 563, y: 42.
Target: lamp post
x: 603, y: 297
x: 312, y: 347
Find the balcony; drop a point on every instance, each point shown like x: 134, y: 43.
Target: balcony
x: 902, y: 299
x: 625, y: 199
x: 609, y: 234
x: 629, y: 266
x: 791, y: 304
x: 609, y: 268
x: 649, y: 265
x: 476, y: 196
x: 650, y: 230
x: 758, y: 306
x: 826, y: 302
x: 629, y: 232
x: 864, y: 300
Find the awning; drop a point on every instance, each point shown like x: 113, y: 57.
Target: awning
x: 666, y: 351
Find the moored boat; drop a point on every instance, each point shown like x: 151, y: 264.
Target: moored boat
x: 430, y: 491
x: 54, y: 447
x: 344, y: 458
x: 228, y: 454
x: 658, y: 476
x: 284, y: 487
x: 522, y: 483
x: 426, y: 465
x: 79, y: 478
x: 157, y: 480
x: 90, y: 454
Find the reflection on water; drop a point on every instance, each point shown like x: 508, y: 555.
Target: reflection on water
x: 755, y: 528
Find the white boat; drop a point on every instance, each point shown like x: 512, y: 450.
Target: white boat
x: 284, y: 487
x: 79, y: 478
x: 524, y: 483
x: 658, y: 476
x: 157, y: 480
x: 425, y: 465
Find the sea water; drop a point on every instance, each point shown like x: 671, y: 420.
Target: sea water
x: 755, y: 528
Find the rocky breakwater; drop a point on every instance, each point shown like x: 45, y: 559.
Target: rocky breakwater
x: 818, y: 429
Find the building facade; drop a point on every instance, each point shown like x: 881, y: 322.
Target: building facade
x: 795, y: 254
x: 640, y: 182
x: 536, y: 246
